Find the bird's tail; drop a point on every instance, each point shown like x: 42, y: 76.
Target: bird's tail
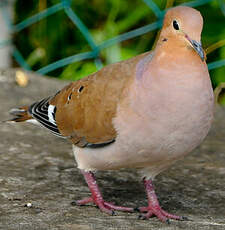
x: 19, y: 114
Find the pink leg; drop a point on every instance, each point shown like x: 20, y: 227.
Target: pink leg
x: 96, y: 197
x: 154, y: 207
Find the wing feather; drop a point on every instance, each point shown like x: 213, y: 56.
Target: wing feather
x: 86, y: 108
x: 40, y: 112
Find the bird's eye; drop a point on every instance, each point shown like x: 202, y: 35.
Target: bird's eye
x: 175, y: 25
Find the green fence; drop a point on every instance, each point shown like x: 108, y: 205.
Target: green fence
x: 65, y: 5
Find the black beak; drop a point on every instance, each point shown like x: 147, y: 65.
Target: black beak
x: 197, y: 47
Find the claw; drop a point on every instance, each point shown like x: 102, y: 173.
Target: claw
x: 141, y: 217
x: 136, y: 209
x: 168, y: 221
x: 184, y: 218
x: 154, y: 208
x: 97, y: 199
x: 73, y: 203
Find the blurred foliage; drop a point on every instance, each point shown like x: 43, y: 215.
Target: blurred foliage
x: 56, y: 37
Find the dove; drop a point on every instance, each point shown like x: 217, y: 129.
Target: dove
x: 144, y: 113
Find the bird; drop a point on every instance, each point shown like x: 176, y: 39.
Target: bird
x: 143, y: 113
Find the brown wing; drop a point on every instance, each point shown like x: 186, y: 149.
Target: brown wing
x: 85, y: 108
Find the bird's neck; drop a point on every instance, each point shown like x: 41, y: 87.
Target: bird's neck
x: 173, y: 52
x: 169, y: 62
x: 172, y: 71
x: 170, y: 85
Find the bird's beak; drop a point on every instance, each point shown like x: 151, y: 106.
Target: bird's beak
x: 197, y: 46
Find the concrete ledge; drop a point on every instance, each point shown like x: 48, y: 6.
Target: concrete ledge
x: 38, y: 168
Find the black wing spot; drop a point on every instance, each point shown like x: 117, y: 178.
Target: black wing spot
x: 69, y: 98
x: 80, y: 89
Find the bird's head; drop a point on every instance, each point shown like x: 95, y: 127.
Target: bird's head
x: 183, y: 25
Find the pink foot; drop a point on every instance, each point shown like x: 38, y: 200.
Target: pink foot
x: 153, y: 208
x: 97, y: 198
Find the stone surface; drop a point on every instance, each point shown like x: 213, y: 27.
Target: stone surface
x: 38, y: 168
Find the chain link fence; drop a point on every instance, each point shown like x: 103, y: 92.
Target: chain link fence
x: 65, y: 5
